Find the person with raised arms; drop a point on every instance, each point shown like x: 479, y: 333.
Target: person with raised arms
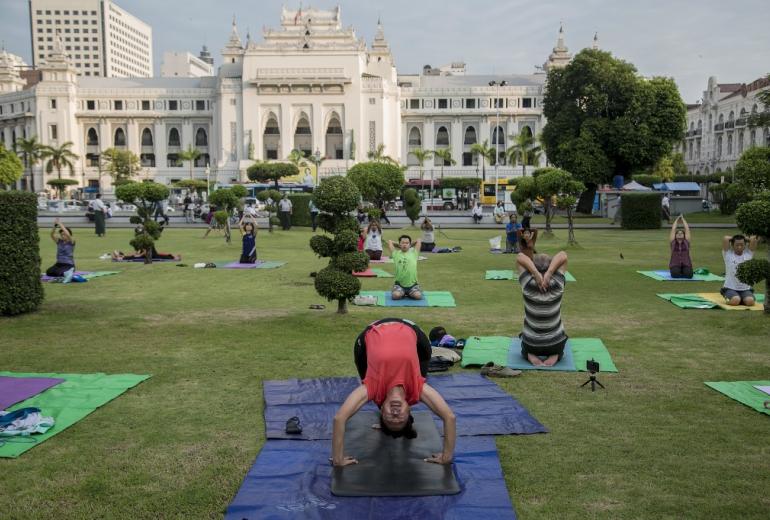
x: 680, y: 264
x: 405, y: 258
x: 734, y: 253
x: 65, y: 252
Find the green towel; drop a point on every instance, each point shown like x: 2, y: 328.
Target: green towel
x: 688, y: 301
x: 381, y: 273
x: 440, y: 299
x: 480, y: 350
x: 68, y: 402
x: 584, y: 349
x: 745, y: 393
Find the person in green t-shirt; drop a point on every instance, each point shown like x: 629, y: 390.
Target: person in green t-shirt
x: 405, y: 258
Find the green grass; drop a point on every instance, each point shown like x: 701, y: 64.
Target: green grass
x: 657, y: 443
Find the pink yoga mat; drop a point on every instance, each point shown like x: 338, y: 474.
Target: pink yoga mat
x: 365, y: 274
x: 16, y: 389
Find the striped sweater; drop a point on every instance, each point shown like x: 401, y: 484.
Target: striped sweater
x: 542, y: 311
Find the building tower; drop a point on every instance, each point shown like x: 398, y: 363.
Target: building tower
x: 560, y: 57
x: 233, y: 51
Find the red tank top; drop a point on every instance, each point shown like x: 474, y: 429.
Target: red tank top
x: 391, y: 358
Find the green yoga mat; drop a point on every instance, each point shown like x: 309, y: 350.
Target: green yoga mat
x: 480, y: 350
x: 381, y: 273
x: 97, y: 274
x: 67, y: 403
x: 507, y: 274
x: 745, y: 393
x: 688, y: 301
x: 711, y: 277
x: 432, y: 298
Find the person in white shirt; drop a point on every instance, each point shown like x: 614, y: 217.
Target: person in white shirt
x: 735, y: 252
x: 373, y: 244
x: 665, y: 206
x: 499, y: 212
x: 284, y: 212
x: 100, y: 213
x: 477, y: 213
x: 249, y: 211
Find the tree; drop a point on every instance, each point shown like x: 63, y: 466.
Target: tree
x: 378, y: 182
x: 378, y: 155
x: 664, y: 168
x: 30, y: 150
x: 421, y: 156
x: 273, y: 196
x: 190, y: 155
x: 677, y: 163
x: 521, y: 151
x: 445, y: 154
x: 271, y: 172
x: 59, y: 157
x: 60, y: 184
x: 297, y: 158
x: 11, y: 168
x: 336, y: 197
x: 120, y: 164
x: 753, y: 169
x: 753, y: 218
x: 604, y: 119
x: 316, y: 160
x: 557, y: 188
x: 144, y: 195
x: 226, y: 200
x: 196, y: 185
x: 484, y: 151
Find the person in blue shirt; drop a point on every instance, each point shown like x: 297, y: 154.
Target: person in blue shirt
x: 249, y: 236
x: 512, y: 235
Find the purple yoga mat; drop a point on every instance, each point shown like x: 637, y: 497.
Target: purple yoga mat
x: 46, y: 278
x: 16, y: 389
x: 238, y: 265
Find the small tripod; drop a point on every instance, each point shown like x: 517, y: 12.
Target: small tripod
x: 592, y: 367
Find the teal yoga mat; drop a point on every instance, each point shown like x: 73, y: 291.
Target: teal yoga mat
x: 430, y: 299
x: 507, y: 274
x: 745, y: 393
x: 665, y: 276
x: 67, y: 403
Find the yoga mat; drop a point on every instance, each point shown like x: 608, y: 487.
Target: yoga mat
x: 507, y: 274
x: 387, y: 260
x: 259, y: 264
x: 389, y: 467
x: 430, y: 299
x: 721, y: 302
x: 565, y: 364
x: 373, y: 273
x: 481, y: 407
x: 16, y: 389
x: 69, y: 402
x: 744, y: 392
x: 687, y: 300
x: 141, y: 260
x: 291, y: 481
x: 479, y: 350
x: 506, y: 351
x: 85, y: 274
x: 665, y: 276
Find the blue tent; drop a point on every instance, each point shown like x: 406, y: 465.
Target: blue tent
x: 678, y: 187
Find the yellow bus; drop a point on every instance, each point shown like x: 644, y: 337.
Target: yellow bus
x: 488, y: 197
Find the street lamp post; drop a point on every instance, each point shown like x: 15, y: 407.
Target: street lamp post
x: 208, y: 181
x: 317, y: 156
x: 496, y: 133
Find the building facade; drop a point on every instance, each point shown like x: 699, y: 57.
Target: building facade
x: 717, y: 127
x: 309, y: 84
x: 184, y: 65
x: 100, y: 38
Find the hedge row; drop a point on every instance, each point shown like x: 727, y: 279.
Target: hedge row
x: 640, y: 210
x: 20, y: 287
x: 300, y: 215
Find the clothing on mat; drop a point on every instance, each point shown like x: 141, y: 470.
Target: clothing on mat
x: 25, y: 421
x: 406, y: 267
x: 373, y: 241
x: 732, y: 261
x: 427, y: 246
x: 542, y: 312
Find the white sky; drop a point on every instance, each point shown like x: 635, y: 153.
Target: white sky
x: 685, y: 39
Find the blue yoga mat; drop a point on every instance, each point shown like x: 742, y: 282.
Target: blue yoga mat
x: 290, y: 481
x: 481, y: 407
x: 565, y: 364
x: 404, y: 302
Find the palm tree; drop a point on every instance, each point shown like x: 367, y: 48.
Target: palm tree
x: 58, y: 158
x: 445, y: 154
x: 30, y: 150
x: 521, y: 150
x: 377, y: 155
x: 484, y: 151
x: 191, y: 155
x: 421, y: 156
x: 297, y: 158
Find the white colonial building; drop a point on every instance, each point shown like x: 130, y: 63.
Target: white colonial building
x: 309, y: 84
x: 717, y: 127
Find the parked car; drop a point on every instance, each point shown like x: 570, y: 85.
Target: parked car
x: 255, y: 202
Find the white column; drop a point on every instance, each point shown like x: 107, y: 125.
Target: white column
x: 429, y: 139
x: 287, y: 132
x: 317, y: 127
x: 456, y: 140
x: 132, y: 135
x: 160, y: 139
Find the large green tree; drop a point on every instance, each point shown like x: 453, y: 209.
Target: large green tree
x: 271, y: 172
x: 421, y: 155
x: 30, y: 151
x: 605, y: 120
x: 522, y: 151
x: 753, y: 169
x: 10, y: 167
x: 378, y: 182
x: 120, y: 164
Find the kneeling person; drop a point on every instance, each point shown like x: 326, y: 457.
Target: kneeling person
x: 405, y: 258
x: 392, y: 357
x: 735, y: 252
x: 542, y: 286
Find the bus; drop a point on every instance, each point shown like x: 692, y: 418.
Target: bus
x: 284, y: 187
x: 439, y: 198
x: 504, y: 189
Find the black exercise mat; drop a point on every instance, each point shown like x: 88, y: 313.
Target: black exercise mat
x: 389, y: 467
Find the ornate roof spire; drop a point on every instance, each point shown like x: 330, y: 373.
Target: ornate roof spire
x: 595, y: 45
x: 235, y: 40
x: 560, y: 56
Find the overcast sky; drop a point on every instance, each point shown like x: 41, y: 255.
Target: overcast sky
x: 685, y: 39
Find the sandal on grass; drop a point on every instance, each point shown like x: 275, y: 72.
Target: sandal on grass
x: 318, y: 307
x: 492, y: 370
x: 292, y: 426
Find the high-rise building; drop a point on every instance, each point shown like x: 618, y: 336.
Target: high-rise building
x: 101, y: 38
x: 184, y: 65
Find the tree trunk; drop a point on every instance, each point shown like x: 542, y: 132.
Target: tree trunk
x: 269, y: 222
x: 227, y: 230
x: 342, y: 306
x: 548, y: 216
x: 586, y: 201
x: 191, y: 165
x: 571, y: 228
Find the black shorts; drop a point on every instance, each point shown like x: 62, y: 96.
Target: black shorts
x: 423, y: 347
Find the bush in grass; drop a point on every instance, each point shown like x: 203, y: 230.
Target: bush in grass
x: 336, y: 197
x: 753, y: 218
x: 20, y: 287
x: 640, y: 210
x: 300, y: 213
x: 729, y: 196
x: 144, y: 195
x: 411, y: 204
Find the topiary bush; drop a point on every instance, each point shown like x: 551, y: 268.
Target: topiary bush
x: 411, y: 204
x: 640, y: 210
x: 273, y: 196
x: 336, y: 197
x: 753, y: 218
x: 271, y: 172
x: 300, y: 215
x: 648, y: 180
x: 20, y: 287
x: 226, y: 200
x: 144, y: 195
x: 378, y: 182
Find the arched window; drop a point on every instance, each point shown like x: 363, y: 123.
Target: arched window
x: 498, y: 136
x: 334, y: 149
x: 303, y: 127
x: 470, y: 136
x: 700, y: 124
x: 753, y: 138
x: 271, y: 128
x: 120, y: 138
x: 731, y: 117
x: 271, y: 139
x: 719, y: 146
x: 767, y: 136
x: 173, y: 137
x: 527, y: 130
x: 415, y: 138
x: 740, y: 142
x: 711, y: 122
x: 92, y: 139
x: 729, y: 145
x: 721, y: 118
x: 692, y: 126
x: 147, y: 137
x: 754, y: 109
x: 303, y: 138
x: 442, y: 137
x: 743, y: 112
x: 201, y: 138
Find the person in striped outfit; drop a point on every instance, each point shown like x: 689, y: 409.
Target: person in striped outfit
x: 542, y: 286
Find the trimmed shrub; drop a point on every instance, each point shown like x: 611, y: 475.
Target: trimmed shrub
x: 640, y: 210
x: 729, y: 196
x: 300, y: 215
x: 648, y: 180
x: 144, y: 195
x: 753, y: 169
x: 271, y: 172
x: 378, y: 182
x: 20, y: 287
x: 412, y: 204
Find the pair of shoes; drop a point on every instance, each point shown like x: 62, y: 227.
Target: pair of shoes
x: 292, y: 426
x: 492, y: 370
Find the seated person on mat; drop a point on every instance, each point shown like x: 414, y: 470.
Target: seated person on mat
x: 428, y: 240
x: 405, y: 258
x: 119, y: 256
x: 680, y: 265
x: 542, y: 286
x: 527, y: 240
x: 734, y: 252
x: 65, y: 253
x: 373, y: 245
x: 392, y: 357
x: 248, y: 227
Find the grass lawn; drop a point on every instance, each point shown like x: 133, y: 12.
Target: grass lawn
x: 657, y: 443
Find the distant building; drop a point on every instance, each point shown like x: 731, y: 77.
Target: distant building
x: 100, y: 38
x: 184, y: 65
